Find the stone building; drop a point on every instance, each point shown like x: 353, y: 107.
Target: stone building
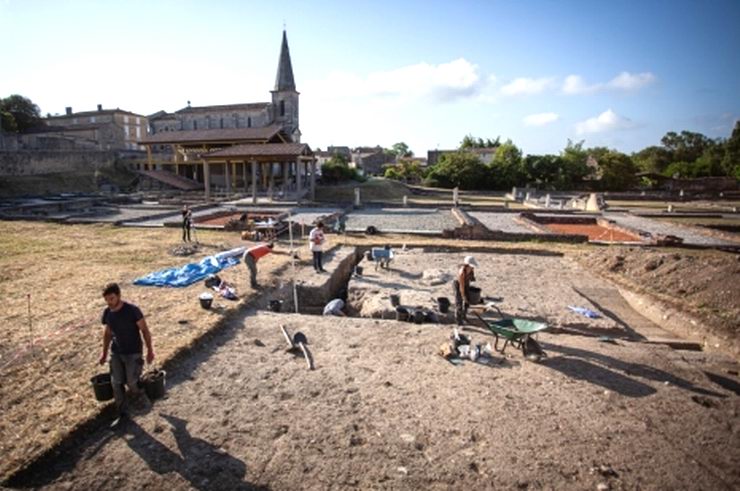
x: 236, y: 147
x: 282, y: 110
x: 103, y: 129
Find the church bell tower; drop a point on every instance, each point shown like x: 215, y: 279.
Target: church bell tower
x: 285, y: 96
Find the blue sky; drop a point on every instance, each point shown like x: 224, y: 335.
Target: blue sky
x: 612, y: 73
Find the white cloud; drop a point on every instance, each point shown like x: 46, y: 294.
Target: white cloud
x: 446, y: 81
x: 606, y: 121
x: 575, y: 84
x: 628, y: 81
x: 625, y: 81
x: 540, y: 119
x: 526, y: 86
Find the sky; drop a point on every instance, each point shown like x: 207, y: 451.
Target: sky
x: 611, y: 73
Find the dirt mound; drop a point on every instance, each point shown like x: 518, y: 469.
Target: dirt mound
x: 703, y: 283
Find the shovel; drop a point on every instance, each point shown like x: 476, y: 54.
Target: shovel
x: 299, y: 341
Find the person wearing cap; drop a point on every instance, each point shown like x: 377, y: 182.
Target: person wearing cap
x: 461, y: 286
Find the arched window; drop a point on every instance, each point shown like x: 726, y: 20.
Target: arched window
x: 249, y: 122
x: 282, y: 108
x: 195, y: 124
x: 221, y: 123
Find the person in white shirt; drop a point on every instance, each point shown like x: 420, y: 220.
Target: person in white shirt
x: 316, y: 241
x: 335, y: 308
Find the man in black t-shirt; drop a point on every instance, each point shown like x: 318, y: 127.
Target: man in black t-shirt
x: 124, y: 327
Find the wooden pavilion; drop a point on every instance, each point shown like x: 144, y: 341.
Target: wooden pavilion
x: 261, y: 159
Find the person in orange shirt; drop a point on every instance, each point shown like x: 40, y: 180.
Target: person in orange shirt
x: 251, y: 256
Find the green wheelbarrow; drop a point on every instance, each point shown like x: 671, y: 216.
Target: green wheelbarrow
x: 517, y: 332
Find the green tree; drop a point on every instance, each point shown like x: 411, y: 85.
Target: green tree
x: 617, y: 171
x: 731, y: 158
x: 653, y: 159
x: 459, y: 169
x: 545, y: 171
x: 405, y: 170
x: 506, y: 166
x: 336, y: 169
x: 686, y: 146
x: 400, y: 149
x: 18, y: 113
x: 469, y: 141
x: 575, y: 165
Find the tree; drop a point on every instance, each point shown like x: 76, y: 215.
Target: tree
x: 575, y: 165
x: 400, y: 149
x: 405, y: 170
x: 543, y: 170
x: 731, y: 158
x: 506, y: 166
x: 686, y: 146
x: 19, y: 113
x: 469, y: 141
x: 336, y: 169
x: 653, y: 159
x: 459, y: 169
x: 618, y: 171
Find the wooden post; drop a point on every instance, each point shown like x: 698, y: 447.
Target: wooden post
x: 233, y: 176
x: 286, y: 177
x: 227, y: 177
x: 313, y: 179
x: 254, y: 182
x: 298, y: 183
x: 244, y: 175
x: 176, y: 155
x: 207, y: 179
x: 149, y: 155
x: 271, y: 187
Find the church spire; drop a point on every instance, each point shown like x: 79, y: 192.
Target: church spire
x: 284, y: 79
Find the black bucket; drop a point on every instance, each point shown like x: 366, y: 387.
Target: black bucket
x: 395, y: 300
x: 402, y: 314
x: 358, y: 270
x: 419, y: 316
x: 474, y: 295
x: 444, y: 304
x: 206, y: 301
x: 276, y: 305
x: 102, y: 386
x: 154, y: 384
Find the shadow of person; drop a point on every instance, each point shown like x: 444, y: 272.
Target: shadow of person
x: 597, y: 375
x: 202, y: 464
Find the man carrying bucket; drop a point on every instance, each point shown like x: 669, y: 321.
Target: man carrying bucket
x: 461, y: 287
x: 251, y: 256
x: 124, y: 327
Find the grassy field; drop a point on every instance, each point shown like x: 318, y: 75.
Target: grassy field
x: 45, y: 367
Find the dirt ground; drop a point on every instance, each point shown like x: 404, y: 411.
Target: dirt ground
x: 45, y: 391
x: 383, y: 411
x: 703, y: 283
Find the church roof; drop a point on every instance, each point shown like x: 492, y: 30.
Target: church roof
x: 284, y: 79
x: 250, y: 106
x: 213, y: 135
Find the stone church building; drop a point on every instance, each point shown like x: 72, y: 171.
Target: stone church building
x: 282, y: 110
x: 235, y: 147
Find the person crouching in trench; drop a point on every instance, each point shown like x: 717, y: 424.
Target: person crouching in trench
x: 124, y: 327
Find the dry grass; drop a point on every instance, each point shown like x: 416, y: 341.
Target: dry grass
x: 45, y: 392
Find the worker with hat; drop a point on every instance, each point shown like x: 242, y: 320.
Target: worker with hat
x: 461, y: 286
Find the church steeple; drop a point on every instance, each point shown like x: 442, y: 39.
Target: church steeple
x: 284, y: 79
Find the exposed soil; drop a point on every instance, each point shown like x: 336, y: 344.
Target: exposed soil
x: 703, y: 283
x: 593, y: 231
x: 383, y: 411
x: 224, y: 219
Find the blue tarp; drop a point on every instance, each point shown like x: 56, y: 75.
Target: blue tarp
x: 188, y: 274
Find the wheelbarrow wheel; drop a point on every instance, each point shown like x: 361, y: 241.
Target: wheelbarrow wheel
x: 532, y: 350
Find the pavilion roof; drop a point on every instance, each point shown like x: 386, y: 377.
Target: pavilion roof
x: 213, y: 135
x: 261, y: 151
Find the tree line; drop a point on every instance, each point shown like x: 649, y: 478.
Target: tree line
x: 680, y: 155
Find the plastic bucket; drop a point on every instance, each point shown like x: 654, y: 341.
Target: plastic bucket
x: 419, y: 316
x: 444, y: 304
x: 402, y: 314
x: 206, y: 300
x: 102, y: 386
x: 395, y: 300
x: 276, y: 305
x: 474, y: 295
x: 154, y: 384
x: 358, y: 270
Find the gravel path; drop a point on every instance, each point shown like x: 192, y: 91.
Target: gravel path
x: 500, y: 221
x: 657, y: 227
x: 401, y: 220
